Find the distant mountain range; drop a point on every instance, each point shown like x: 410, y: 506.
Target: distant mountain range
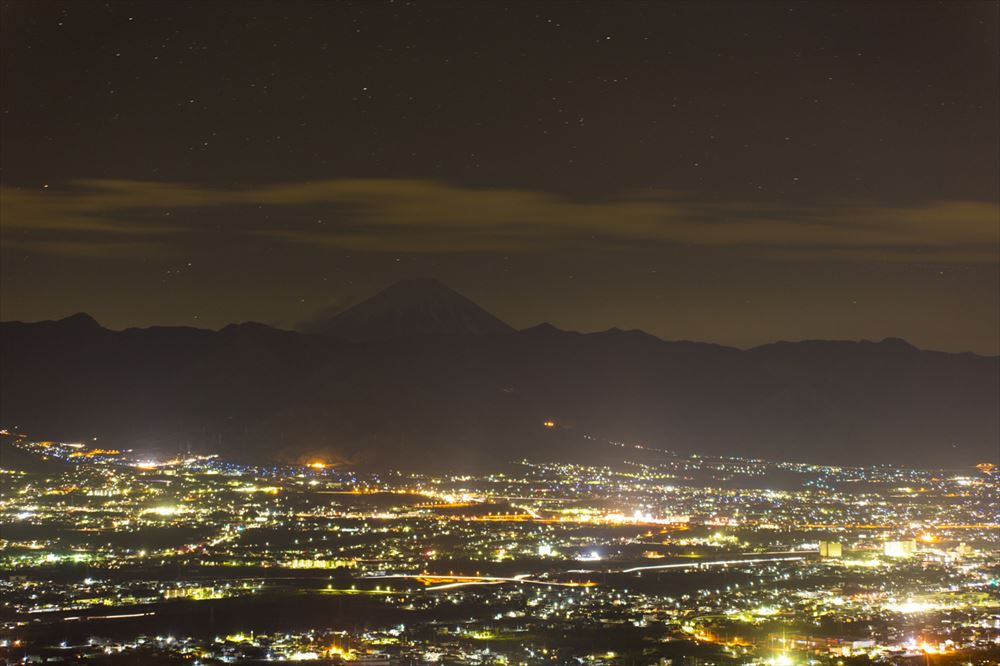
x: 420, y: 375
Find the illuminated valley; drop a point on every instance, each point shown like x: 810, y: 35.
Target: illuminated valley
x: 656, y: 558
x: 484, y: 333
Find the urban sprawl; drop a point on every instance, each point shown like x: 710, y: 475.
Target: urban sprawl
x: 656, y: 558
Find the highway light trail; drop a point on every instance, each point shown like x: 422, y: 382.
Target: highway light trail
x: 716, y: 563
x: 436, y: 582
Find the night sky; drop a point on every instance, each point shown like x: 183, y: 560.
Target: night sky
x: 737, y: 173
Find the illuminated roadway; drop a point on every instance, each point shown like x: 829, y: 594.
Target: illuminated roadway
x: 440, y: 582
x: 715, y: 563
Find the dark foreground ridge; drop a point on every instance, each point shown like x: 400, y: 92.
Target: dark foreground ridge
x: 420, y: 375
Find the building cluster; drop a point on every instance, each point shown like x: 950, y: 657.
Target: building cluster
x: 660, y: 558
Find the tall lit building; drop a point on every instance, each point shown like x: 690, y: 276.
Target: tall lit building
x: 830, y: 549
x: 900, y: 548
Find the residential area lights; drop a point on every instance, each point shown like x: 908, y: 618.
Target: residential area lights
x: 657, y: 556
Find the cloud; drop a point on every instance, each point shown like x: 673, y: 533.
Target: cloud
x: 75, y: 248
x: 400, y: 215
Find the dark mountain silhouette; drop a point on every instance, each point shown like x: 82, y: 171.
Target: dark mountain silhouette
x: 410, y: 308
x: 435, y: 381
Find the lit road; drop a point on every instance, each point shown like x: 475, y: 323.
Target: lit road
x: 717, y: 563
x: 438, y: 582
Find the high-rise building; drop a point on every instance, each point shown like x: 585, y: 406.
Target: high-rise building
x: 905, y: 548
x: 830, y: 549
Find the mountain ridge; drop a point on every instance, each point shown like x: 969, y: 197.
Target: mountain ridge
x: 543, y: 328
x: 260, y: 392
